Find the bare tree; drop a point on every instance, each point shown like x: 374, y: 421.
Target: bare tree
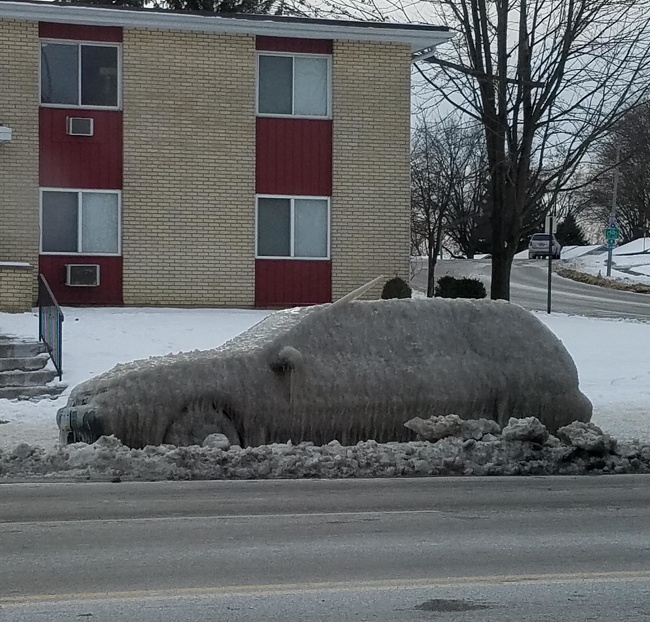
x: 466, y: 222
x: 545, y: 78
x: 442, y: 160
x: 631, y: 139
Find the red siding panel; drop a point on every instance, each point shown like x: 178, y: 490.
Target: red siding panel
x: 78, y: 32
x: 286, y: 44
x: 81, y: 161
x: 294, y: 156
x: 290, y: 283
x: 109, y: 291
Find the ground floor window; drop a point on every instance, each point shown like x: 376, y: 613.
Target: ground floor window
x: 80, y: 221
x: 295, y: 227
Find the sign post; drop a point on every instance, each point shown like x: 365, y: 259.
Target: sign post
x: 612, y: 234
x: 550, y: 228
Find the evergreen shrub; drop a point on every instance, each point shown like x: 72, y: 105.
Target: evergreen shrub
x: 396, y: 288
x: 450, y: 287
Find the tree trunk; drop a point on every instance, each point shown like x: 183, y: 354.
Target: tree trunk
x: 431, y: 275
x: 501, y: 267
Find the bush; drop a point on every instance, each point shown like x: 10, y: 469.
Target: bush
x: 396, y: 288
x: 450, y: 287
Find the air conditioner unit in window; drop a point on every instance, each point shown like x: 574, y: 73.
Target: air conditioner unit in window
x: 80, y: 126
x: 82, y: 275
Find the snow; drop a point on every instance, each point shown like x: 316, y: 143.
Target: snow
x: 612, y: 357
x: 522, y: 447
x: 570, y: 252
x: 349, y: 371
x: 573, y: 252
x: 96, y: 339
x: 613, y: 361
x: 14, y: 264
x: 640, y: 245
x: 628, y: 268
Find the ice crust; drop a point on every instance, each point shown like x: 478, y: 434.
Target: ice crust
x: 503, y: 453
x: 347, y: 372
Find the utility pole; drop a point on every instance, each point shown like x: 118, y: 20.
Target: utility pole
x: 612, y: 230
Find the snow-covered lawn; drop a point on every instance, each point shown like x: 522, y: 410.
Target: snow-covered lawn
x: 630, y: 262
x: 613, y: 359
x: 96, y: 339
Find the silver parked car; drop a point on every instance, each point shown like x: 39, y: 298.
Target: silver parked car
x: 538, y: 246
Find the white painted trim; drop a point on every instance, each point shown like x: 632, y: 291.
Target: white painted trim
x: 418, y: 38
x: 292, y: 198
x: 79, y: 192
x: 79, y: 43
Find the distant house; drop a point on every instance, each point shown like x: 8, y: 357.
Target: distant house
x: 163, y: 158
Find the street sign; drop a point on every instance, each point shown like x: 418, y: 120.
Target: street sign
x: 612, y: 233
x: 550, y: 225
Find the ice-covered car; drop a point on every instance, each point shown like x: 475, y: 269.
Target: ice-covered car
x: 539, y: 246
x: 346, y: 372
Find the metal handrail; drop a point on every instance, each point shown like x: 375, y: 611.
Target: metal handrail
x: 50, y: 323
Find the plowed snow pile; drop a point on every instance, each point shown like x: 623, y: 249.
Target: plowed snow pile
x: 455, y: 447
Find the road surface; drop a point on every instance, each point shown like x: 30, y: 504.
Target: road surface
x: 529, y: 289
x: 462, y: 549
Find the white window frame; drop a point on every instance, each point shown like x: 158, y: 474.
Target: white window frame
x: 80, y: 192
x: 292, y: 55
x: 79, y: 44
x: 292, y: 199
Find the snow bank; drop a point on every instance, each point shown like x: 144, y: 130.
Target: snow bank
x: 523, y: 447
x: 639, y: 245
x: 348, y: 372
x: 573, y: 252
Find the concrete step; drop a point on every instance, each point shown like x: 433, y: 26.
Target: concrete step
x: 20, y: 348
x: 26, y: 378
x: 24, y: 363
x: 31, y: 393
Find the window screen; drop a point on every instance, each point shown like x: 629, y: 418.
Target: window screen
x: 311, y: 88
x: 274, y: 227
x: 59, y: 73
x: 99, y: 222
x: 59, y: 224
x: 310, y: 228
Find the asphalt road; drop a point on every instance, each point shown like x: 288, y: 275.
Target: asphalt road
x: 462, y: 549
x: 529, y: 289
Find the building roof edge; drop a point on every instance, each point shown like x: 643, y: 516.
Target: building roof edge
x: 418, y: 36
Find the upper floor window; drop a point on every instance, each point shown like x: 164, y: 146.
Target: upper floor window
x: 80, y: 74
x: 292, y: 85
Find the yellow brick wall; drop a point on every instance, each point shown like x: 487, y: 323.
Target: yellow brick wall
x: 16, y: 287
x: 188, y: 202
x: 371, y: 172
x: 19, y: 211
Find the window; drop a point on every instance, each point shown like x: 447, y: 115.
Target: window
x: 297, y: 228
x: 293, y: 85
x: 79, y: 74
x: 80, y: 222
